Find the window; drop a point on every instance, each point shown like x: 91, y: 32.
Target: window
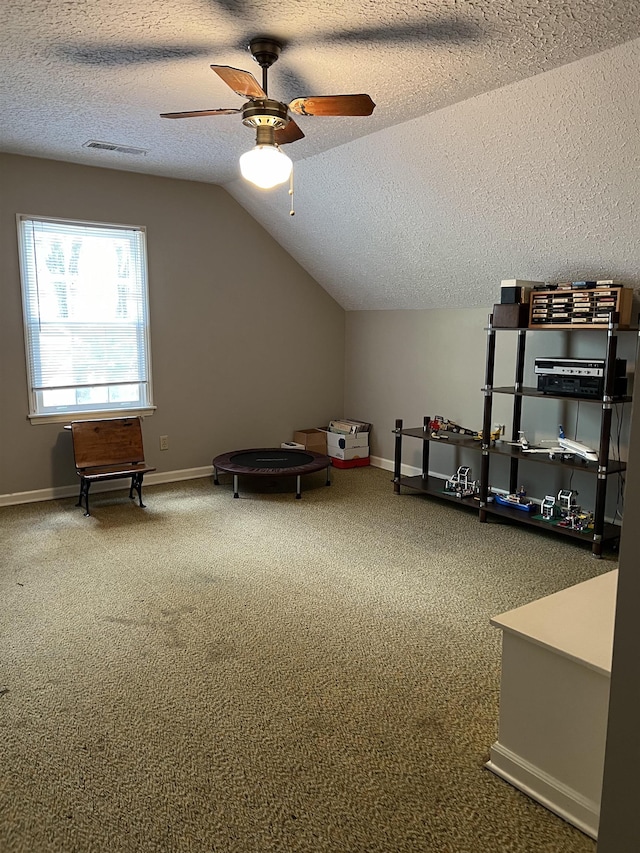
x: 86, y: 317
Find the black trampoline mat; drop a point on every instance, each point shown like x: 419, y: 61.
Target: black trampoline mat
x: 271, y: 458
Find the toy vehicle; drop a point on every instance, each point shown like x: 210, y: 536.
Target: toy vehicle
x: 494, y: 435
x: 438, y: 426
x: 577, y: 519
x: 518, y: 500
x: 565, y: 448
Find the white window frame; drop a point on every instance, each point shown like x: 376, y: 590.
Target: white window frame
x: 34, y: 317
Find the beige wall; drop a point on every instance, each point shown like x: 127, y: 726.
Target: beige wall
x: 246, y: 347
x: 408, y: 364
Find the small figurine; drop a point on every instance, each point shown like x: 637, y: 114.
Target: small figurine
x: 549, y: 509
x: 567, y: 501
x: 461, y: 484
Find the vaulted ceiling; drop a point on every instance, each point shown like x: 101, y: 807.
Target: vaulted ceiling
x: 504, y: 142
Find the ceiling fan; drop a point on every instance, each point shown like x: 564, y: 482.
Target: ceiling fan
x: 266, y: 165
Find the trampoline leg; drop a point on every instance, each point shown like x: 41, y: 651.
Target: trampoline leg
x: 235, y: 486
x: 328, y: 483
x: 298, y: 490
x: 216, y: 481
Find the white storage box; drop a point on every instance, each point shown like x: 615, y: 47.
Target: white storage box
x: 346, y: 442
x: 348, y: 452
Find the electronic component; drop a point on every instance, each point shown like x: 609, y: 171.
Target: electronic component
x: 579, y: 377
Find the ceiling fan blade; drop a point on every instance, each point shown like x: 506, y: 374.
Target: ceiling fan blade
x: 106, y: 55
x: 446, y: 31
x: 196, y: 113
x: 333, y: 105
x: 242, y: 82
x: 290, y: 133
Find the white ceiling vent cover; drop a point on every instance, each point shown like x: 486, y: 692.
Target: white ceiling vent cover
x: 113, y: 146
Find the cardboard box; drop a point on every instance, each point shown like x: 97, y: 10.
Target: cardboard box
x: 348, y: 453
x: 311, y: 439
x: 336, y: 439
x: 350, y: 463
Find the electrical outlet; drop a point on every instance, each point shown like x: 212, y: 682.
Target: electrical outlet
x: 164, y: 442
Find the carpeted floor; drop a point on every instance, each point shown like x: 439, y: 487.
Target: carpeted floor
x: 264, y: 675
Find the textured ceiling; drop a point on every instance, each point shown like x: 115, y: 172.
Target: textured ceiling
x: 539, y: 180
x: 74, y: 71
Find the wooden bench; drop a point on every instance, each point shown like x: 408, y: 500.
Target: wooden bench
x: 110, y: 449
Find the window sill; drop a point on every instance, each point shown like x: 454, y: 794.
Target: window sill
x: 67, y: 417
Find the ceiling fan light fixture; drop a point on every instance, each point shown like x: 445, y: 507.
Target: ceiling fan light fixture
x: 266, y: 166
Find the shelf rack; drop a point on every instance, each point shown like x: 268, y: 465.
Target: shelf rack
x: 602, y: 469
x: 603, y: 532
x: 423, y: 482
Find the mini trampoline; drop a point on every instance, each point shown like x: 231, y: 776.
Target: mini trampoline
x: 270, y: 462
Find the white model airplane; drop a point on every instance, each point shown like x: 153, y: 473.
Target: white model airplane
x: 565, y: 448
x: 568, y: 445
x: 522, y: 442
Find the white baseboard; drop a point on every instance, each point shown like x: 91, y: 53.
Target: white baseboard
x: 405, y: 470
x: 57, y: 492
x: 157, y: 478
x: 566, y: 802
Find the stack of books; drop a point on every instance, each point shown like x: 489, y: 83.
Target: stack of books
x: 347, y: 426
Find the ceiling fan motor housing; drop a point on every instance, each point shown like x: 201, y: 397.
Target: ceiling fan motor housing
x: 265, y: 50
x: 265, y: 112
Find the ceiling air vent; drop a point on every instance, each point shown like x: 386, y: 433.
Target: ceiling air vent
x: 113, y: 146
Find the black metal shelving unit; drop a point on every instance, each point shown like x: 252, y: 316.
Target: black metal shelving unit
x: 603, y: 532
x: 423, y: 482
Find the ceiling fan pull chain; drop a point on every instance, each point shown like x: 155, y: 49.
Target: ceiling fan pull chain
x: 292, y: 211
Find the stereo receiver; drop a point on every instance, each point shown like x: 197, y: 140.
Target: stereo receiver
x: 579, y: 377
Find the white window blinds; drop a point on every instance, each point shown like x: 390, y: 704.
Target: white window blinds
x: 85, y: 301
